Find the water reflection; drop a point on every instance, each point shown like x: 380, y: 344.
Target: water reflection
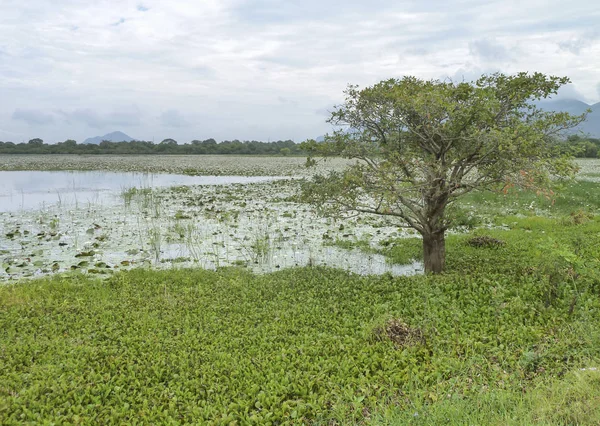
x: 26, y: 190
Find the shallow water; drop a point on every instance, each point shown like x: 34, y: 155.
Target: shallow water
x: 27, y: 190
x: 52, y: 222
x: 290, y: 256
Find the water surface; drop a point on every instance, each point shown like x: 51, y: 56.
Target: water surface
x: 52, y: 222
x: 27, y: 190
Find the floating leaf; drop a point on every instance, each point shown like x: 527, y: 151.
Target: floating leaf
x: 86, y: 253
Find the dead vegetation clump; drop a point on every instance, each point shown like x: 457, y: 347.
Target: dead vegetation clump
x: 399, y: 333
x: 579, y: 217
x: 485, y: 241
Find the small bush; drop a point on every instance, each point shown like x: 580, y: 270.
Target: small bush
x: 485, y: 241
x: 580, y: 217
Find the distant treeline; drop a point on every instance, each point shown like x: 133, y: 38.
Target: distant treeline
x: 581, y: 147
x: 167, y: 146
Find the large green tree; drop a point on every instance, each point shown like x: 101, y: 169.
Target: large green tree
x: 420, y: 145
x: 36, y: 142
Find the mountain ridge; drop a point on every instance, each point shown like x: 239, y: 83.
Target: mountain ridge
x: 590, y: 126
x: 116, y: 136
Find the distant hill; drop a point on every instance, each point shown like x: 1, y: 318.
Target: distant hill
x: 349, y: 130
x: 112, y: 137
x: 573, y: 106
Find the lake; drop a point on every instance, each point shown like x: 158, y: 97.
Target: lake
x: 26, y: 190
x: 92, y: 222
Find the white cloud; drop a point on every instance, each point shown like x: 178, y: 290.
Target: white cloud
x: 173, y: 118
x: 489, y: 50
x: 94, y: 119
x: 33, y: 117
x: 259, y: 69
x: 579, y: 42
x: 569, y: 92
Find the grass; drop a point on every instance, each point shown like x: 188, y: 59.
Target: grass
x: 573, y: 400
x: 127, y: 194
x: 580, y: 194
x: 155, y: 238
x: 510, y: 334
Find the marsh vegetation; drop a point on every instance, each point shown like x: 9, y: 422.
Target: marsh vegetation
x: 173, y: 304
x: 249, y: 221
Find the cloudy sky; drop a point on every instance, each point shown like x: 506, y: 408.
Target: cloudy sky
x: 261, y: 69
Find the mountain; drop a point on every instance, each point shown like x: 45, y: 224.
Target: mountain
x: 590, y: 126
x: 349, y: 131
x: 572, y: 106
x: 112, y: 137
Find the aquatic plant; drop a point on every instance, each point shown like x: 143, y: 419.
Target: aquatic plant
x: 226, y: 222
x: 155, y: 242
x: 128, y: 194
x: 303, y: 346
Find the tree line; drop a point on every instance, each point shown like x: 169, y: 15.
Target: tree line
x: 579, y: 146
x: 582, y: 147
x: 167, y: 146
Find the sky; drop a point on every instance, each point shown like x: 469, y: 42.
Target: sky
x: 261, y: 69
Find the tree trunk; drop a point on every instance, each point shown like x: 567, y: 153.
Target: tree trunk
x: 434, y: 252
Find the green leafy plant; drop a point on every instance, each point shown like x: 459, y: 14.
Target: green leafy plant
x: 421, y: 145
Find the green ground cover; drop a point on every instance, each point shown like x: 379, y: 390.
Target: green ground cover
x: 510, y: 334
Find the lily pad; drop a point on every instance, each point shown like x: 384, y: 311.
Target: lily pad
x: 86, y: 254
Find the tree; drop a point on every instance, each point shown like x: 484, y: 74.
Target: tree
x: 36, y: 142
x: 587, y: 150
x: 420, y: 145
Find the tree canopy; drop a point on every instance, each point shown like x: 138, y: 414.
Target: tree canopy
x: 420, y: 145
x: 167, y: 146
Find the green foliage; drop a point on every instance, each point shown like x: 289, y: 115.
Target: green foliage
x: 581, y: 147
x: 421, y: 145
x: 362, y: 244
x: 35, y: 142
x: 297, y: 347
x: 573, y: 400
x: 418, y: 141
x: 167, y: 146
x: 500, y: 338
x: 128, y: 194
x: 463, y: 218
x: 403, y: 251
x: 260, y: 247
